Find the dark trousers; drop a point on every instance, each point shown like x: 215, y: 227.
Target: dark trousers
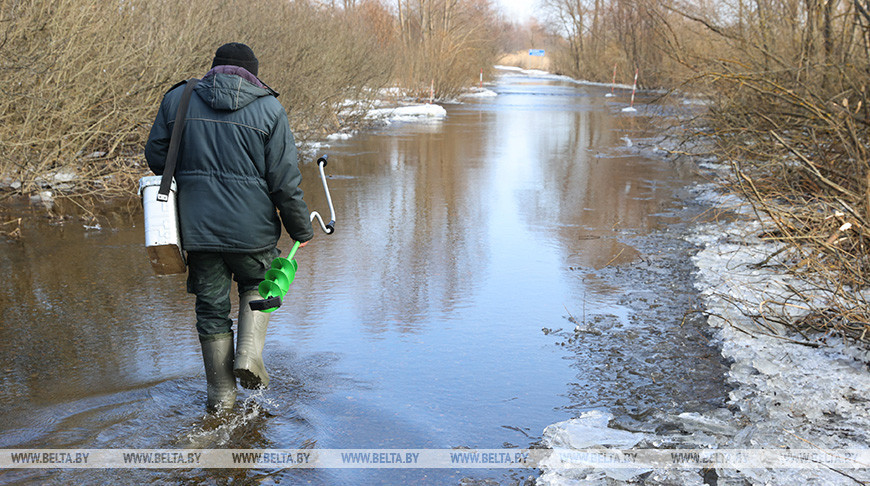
x: 209, y: 277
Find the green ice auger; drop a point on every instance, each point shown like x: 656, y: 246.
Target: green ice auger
x: 276, y: 282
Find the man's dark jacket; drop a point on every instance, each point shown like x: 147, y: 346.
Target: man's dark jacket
x: 237, y: 163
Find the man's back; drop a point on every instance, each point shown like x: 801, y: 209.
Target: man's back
x: 237, y: 163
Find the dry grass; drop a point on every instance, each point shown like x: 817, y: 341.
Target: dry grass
x: 522, y: 59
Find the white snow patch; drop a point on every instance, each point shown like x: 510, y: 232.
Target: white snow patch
x: 508, y: 68
x: 46, y: 198
x: 711, y: 194
x: 66, y: 174
x: 406, y: 113
x: 340, y: 136
x: 394, y: 92
x: 695, y: 101
x: 479, y: 93
x: 416, y: 112
x: 313, y: 149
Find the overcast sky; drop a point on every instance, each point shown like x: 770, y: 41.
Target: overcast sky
x: 518, y: 10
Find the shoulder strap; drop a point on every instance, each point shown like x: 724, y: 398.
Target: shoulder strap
x: 175, y: 141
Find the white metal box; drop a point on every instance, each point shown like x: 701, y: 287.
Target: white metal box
x: 162, y: 234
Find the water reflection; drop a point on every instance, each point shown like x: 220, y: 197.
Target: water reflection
x: 408, y: 221
x: 418, y: 324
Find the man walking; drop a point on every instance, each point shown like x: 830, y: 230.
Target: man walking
x: 238, y: 181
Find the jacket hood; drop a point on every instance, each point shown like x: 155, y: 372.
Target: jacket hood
x: 229, y: 92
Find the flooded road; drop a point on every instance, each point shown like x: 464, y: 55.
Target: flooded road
x: 440, y: 315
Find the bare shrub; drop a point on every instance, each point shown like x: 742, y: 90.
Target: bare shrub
x: 321, y: 60
x: 76, y: 83
x: 792, y: 119
x: 789, y: 112
x: 81, y: 79
x: 444, y: 44
x: 646, y: 35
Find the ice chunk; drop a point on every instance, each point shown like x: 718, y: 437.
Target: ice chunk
x: 695, y: 422
x: 588, y: 431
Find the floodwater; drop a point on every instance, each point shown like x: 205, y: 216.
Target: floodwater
x: 440, y: 314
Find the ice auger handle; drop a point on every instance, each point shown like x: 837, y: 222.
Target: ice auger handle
x: 329, y: 227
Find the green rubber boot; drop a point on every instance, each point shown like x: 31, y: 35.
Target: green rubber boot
x: 217, y: 354
x: 249, y: 367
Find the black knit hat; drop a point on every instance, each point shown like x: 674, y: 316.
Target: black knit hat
x: 236, y: 54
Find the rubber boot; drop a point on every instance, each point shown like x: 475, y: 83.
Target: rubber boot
x: 249, y: 367
x: 217, y: 354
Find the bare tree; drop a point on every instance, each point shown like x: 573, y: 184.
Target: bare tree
x: 445, y: 43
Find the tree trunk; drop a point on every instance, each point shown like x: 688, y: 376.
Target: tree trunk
x: 762, y: 29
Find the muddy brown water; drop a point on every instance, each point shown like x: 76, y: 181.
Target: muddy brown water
x: 441, y: 314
